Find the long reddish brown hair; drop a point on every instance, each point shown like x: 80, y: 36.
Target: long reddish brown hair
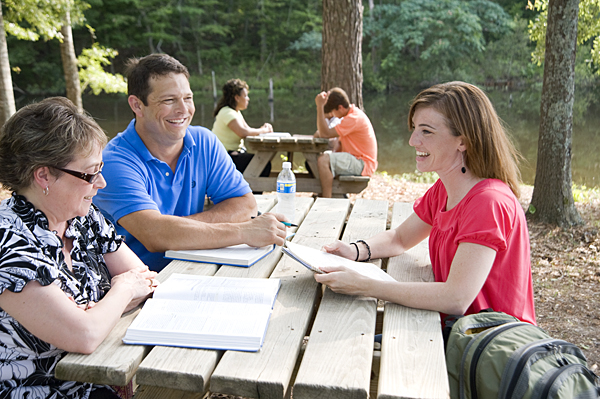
x: 469, y: 113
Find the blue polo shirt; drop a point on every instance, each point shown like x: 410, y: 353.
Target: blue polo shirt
x: 136, y: 181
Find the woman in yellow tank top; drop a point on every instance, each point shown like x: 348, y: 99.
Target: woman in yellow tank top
x: 230, y: 126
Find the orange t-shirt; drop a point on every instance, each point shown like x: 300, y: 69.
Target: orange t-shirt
x: 358, y: 138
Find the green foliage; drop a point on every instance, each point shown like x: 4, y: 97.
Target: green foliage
x: 510, y: 56
x: 407, y: 43
x: 36, y: 66
x: 435, y: 34
x: 584, y: 194
x: 419, y: 177
x: 588, y: 30
x: 92, y: 74
x: 32, y: 19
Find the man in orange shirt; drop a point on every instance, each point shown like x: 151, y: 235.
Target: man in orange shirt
x: 356, y: 154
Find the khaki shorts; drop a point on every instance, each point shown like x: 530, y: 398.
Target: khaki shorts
x: 345, y: 164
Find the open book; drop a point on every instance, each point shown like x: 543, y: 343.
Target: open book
x: 275, y: 134
x: 235, y: 255
x: 313, y: 259
x: 206, y: 312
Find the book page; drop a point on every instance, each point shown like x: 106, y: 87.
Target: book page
x: 218, y: 289
x: 193, y: 324
x: 202, y: 318
x: 275, y: 134
x: 315, y: 259
x: 241, y: 254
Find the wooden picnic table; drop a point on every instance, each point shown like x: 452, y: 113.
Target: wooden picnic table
x: 265, y: 149
x: 318, y: 344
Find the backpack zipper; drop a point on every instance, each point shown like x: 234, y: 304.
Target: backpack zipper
x: 480, y: 348
x: 556, y: 345
x: 487, y: 325
x: 593, y: 378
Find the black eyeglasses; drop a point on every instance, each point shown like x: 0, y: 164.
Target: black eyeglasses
x: 88, y: 177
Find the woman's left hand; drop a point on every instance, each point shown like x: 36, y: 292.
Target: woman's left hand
x: 343, y: 280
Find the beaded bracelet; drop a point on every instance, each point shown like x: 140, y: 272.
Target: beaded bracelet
x: 368, y: 250
x: 357, y: 254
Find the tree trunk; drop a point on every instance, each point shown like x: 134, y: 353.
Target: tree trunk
x: 341, y: 52
x: 69, y: 61
x: 7, y: 97
x: 374, y: 60
x: 552, y: 200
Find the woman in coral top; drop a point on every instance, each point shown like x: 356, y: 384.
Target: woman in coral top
x: 478, y: 237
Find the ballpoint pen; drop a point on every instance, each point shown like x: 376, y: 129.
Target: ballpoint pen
x: 288, y: 224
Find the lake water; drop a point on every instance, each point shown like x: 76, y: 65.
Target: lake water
x: 295, y: 113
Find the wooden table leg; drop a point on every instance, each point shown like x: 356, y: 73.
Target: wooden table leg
x: 311, y: 159
x: 255, y: 168
x: 258, y: 163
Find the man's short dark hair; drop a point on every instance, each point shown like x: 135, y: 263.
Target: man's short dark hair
x: 336, y: 98
x: 140, y: 70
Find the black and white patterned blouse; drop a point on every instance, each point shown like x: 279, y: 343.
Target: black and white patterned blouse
x: 28, y: 252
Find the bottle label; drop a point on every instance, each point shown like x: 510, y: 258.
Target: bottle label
x: 286, y: 188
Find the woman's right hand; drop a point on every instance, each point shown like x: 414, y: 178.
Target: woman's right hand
x: 267, y: 127
x: 341, y: 249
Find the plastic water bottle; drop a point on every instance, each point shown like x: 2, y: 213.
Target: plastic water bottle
x: 286, y: 192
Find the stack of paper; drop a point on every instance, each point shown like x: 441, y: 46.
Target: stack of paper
x: 235, y: 255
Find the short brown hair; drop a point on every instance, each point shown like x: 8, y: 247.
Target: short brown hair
x: 139, y: 71
x: 51, y: 133
x: 469, y: 113
x: 336, y: 98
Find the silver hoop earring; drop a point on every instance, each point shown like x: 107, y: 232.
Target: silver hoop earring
x: 46, y: 190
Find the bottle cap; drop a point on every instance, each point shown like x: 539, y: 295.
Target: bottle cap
x: 287, y: 165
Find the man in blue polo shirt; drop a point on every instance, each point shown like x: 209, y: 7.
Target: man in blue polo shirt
x: 160, y: 168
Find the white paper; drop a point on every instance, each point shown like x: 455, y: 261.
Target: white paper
x: 206, y: 312
x: 217, y: 289
x: 315, y: 258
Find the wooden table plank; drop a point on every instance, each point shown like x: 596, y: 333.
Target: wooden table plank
x: 115, y: 363
x: 286, y: 144
x: 148, y: 392
x: 190, y: 369
x: 413, y: 364
x: 338, y: 358
x: 266, y: 374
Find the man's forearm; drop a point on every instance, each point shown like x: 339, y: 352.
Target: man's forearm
x: 232, y: 210
x: 321, y: 124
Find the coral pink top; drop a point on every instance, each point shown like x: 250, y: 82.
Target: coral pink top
x: 489, y: 215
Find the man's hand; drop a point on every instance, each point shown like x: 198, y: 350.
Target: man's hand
x: 264, y: 230
x: 321, y: 99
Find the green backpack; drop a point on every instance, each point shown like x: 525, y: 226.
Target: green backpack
x: 494, y: 355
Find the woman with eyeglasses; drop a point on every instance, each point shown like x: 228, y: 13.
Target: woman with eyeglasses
x: 66, y: 277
